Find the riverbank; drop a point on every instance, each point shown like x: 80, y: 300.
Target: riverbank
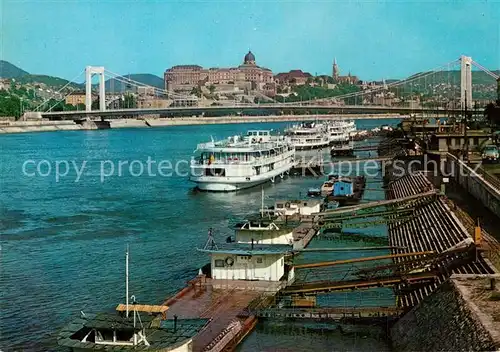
x: 7, y: 127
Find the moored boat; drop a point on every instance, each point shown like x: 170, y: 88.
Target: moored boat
x: 347, y: 190
x: 308, y: 135
x: 237, y: 163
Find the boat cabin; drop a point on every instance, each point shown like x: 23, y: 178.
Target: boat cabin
x: 258, y: 136
x: 254, y: 262
x: 138, y: 331
x: 300, y: 207
x: 343, y: 187
x: 261, y: 232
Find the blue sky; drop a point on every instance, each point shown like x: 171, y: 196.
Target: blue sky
x: 374, y: 40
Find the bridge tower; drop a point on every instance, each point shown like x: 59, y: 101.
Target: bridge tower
x: 89, y: 72
x: 465, y: 81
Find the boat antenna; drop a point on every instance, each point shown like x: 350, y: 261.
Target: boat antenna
x: 126, y: 279
x: 210, y: 244
x: 262, y: 203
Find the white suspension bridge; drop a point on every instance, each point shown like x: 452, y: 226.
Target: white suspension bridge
x: 453, y: 96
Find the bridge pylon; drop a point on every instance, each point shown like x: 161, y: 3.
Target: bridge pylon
x: 465, y: 81
x: 89, y: 72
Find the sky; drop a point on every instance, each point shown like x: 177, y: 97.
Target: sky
x: 372, y: 39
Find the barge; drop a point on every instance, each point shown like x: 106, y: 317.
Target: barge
x: 345, y: 190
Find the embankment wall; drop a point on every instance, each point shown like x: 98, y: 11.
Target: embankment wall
x: 447, y: 320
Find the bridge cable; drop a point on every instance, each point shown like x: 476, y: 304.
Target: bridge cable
x: 67, y: 84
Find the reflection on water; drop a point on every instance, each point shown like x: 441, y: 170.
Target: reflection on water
x: 299, y: 336
x: 63, y: 242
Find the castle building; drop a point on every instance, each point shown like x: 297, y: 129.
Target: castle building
x: 247, y: 76
x: 296, y: 77
x: 349, y: 79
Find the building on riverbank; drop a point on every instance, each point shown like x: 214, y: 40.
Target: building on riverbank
x: 248, y: 76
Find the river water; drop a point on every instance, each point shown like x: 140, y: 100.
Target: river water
x: 63, y: 236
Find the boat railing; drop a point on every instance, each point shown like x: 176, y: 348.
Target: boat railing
x: 256, y: 160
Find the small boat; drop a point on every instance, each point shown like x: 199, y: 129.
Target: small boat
x: 314, y: 192
x: 332, y: 205
x: 343, y: 148
x: 327, y: 187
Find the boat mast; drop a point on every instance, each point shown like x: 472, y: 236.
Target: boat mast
x: 262, y: 203
x: 126, y: 279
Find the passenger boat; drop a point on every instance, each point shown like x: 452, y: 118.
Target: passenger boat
x: 308, y: 135
x: 341, y: 130
x: 241, y: 162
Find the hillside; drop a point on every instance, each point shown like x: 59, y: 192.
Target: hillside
x: 115, y: 86
x: 8, y: 70
x: 478, y: 77
x: 50, y: 81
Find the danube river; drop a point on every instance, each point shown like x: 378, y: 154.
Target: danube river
x: 68, y: 210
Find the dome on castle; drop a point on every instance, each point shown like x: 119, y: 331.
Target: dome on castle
x: 249, y: 58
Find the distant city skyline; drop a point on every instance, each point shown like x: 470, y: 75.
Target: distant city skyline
x: 372, y: 40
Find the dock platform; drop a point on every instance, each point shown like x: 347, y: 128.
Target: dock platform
x: 433, y: 227
x: 303, y: 235
x: 370, y: 314
x: 225, y: 303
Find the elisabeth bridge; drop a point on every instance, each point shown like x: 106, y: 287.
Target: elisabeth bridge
x: 445, y: 93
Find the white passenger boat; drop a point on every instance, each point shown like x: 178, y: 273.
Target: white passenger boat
x: 341, y: 131
x: 241, y: 162
x: 308, y: 135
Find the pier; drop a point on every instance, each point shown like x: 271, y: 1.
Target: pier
x: 428, y: 241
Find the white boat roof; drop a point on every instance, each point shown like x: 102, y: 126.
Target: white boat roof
x: 243, y: 146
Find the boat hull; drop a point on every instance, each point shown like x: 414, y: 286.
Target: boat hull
x: 311, y: 146
x: 231, y: 184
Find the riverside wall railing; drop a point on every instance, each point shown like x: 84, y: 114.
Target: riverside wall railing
x: 477, y: 181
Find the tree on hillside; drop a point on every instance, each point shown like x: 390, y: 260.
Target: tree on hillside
x: 128, y: 102
x: 211, y: 89
x: 196, y: 91
x: 10, y: 105
x: 492, y: 114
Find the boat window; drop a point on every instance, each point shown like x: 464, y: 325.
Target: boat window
x: 219, y: 263
x: 215, y: 172
x: 279, y: 205
x: 282, y: 261
x: 259, y: 260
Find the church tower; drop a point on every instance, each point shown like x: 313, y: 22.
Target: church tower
x: 335, y: 72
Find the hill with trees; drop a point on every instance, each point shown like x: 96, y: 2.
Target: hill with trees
x: 115, y: 86
x: 8, y: 70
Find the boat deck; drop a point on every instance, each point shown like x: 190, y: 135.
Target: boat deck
x: 303, y: 235
x: 224, y: 302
